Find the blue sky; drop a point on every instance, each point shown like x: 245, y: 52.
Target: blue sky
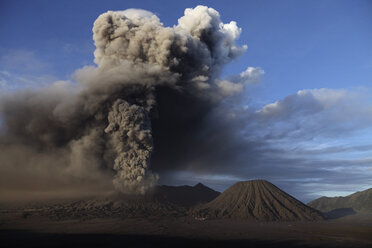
x: 301, y: 45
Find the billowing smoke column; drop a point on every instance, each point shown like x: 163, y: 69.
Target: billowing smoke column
x: 129, y: 125
x: 101, y: 125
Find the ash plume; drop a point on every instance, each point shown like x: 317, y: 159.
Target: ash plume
x: 130, y: 128
x: 148, y: 95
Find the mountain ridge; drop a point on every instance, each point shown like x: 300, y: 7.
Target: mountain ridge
x: 185, y: 195
x: 360, y: 201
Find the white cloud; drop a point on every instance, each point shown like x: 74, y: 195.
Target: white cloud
x: 252, y: 75
x: 316, y: 114
x: 138, y: 14
x: 235, y: 84
x: 307, y: 102
x: 228, y: 88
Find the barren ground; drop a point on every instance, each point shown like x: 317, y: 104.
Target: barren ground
x: 18, y: 229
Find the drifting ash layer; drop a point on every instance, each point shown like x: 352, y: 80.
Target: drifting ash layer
x: 257, y: 200
x: 161, y: 202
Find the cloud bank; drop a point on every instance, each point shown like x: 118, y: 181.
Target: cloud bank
x: 311, y: 143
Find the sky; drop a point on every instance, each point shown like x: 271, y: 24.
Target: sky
x: 311, y: 113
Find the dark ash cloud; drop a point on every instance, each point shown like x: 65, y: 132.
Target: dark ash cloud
x: 147, y: 101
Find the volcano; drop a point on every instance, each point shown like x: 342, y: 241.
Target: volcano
x: 257, y: 200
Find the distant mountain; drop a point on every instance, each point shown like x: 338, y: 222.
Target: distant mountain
x: 359, y: 201
x: 256, y: 200
x: 186, y: 196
